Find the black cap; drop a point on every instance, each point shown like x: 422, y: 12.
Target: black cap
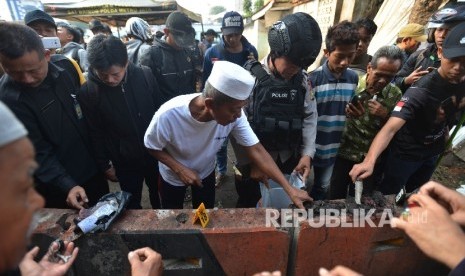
x: 95, y: 24
x: 38, y: 15
x: 181, y: 27
x: 454, y: 44
x: 233, y: 23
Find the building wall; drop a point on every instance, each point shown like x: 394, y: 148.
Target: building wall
x: 257, y: 33
x: 325, y: 12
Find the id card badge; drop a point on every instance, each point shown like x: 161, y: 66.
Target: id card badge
x: 77, y: 107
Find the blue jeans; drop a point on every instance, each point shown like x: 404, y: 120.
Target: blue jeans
x: 131, y: 180
x: 411, y: 174
x: 222, y: 158
x: 172, y: 197
x: 322, y: 179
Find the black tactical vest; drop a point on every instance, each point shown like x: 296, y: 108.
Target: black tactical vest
x: 276, y: 109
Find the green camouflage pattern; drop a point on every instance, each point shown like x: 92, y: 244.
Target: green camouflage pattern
x: 360, y: 132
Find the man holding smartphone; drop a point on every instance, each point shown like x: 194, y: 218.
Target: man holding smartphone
x: 378, y: 96
x: 45, y: 26
x: 418, y: 126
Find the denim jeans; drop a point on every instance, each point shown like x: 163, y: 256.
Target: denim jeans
x: 172, y: 197
x: 132, y: 179
x: 411, y: 174
x: 222, y: 158
x: 322, y: 179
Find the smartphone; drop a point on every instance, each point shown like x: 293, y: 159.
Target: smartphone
x: 51, y: 42
x: 359, y: 98
x: 355, y: 99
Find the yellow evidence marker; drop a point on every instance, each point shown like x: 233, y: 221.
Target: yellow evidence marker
x: 201, y: 214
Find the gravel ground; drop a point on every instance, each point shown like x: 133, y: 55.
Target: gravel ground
x: 451, y: 172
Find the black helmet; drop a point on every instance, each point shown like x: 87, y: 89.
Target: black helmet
x: 449, y: 16
x: 296, y: 36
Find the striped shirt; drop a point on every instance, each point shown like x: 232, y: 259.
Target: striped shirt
x: 332, y: 96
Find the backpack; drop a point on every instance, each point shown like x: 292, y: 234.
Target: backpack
x: 75, y: 54
x: 275, y: 109
x: 156, y: 54
x: 59, y: 58
x: 142, y: 48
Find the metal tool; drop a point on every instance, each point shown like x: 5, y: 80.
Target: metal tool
x: 64, y: 258
x: 358, y: 191
x: 53, y: 252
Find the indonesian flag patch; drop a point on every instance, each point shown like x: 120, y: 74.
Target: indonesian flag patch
x: 399, y: 106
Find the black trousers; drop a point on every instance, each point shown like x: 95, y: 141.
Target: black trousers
x: 341, y: 183
x: 132, y: 179
x: 172, y: 197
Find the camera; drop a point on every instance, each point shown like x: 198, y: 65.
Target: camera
x: 51, y: 42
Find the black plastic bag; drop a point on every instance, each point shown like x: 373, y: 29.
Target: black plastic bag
x: 99, y: 217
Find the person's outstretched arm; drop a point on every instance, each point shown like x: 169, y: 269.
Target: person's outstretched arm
x: 381, y: 141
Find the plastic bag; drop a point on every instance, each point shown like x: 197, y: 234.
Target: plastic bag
x: 266, y: 200
x: 296, y: 180
x: 107, y: 209
x: 275, y: 196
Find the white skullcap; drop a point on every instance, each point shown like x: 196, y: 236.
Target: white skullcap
x: 231, y: 80
x: 11, y: 129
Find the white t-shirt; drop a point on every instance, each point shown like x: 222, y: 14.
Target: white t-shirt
x: 192, y: 143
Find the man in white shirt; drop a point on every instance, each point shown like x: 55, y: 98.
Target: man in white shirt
x: 186, y: 133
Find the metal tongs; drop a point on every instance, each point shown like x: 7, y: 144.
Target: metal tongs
x: 54, y: 253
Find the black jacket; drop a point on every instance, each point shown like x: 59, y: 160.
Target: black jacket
x: 425, y: 58
x: 55, y: 124
x: 173, y: 69
x: 119, y: 116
